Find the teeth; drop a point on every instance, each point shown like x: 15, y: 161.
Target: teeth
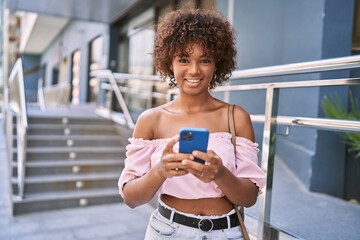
x: 193, y: 81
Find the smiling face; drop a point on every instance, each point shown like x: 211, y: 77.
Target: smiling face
x: 193, y: 70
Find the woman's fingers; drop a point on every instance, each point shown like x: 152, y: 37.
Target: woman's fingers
x: 169, y: 146
x: 205, y: 172
x: 171, y: 161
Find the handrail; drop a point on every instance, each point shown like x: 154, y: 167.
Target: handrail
x: 323, y: 124
x: 135, y: 76
x: 333, y: 64
x: 109, y: 75
x: 136, y: 91
x: 290, y: 84
x: 115, y: 79
x: 271, y: 119
x: 17, y: 104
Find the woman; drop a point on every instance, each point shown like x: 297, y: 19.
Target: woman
x: 196, y: 49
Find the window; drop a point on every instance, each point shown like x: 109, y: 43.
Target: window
x: 75, y: 77
x: 356, y: 27
x: 95, y: 57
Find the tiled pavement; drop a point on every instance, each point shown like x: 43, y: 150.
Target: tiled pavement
x: 107, y: 222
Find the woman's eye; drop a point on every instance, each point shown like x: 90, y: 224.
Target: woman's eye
x: 206, y: 61
x: 183, y: 60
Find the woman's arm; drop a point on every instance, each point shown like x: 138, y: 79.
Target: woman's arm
x: 142, y: 189
x: 240, y: 191
x: 245, y: 193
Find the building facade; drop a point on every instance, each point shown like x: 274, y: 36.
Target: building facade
x: 269, y: 33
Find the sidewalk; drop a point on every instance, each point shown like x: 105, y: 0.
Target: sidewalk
x: 309, y: 215
x: 106, y: 222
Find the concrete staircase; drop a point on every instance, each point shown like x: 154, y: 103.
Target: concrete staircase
x: 71, y: 161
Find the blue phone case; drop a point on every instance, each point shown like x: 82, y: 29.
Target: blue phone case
x: 193, y: 139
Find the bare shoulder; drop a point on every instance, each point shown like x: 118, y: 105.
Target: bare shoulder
x: 145, y: 124
x: 243, y: 124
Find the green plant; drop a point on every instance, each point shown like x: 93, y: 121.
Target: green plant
x: 334, y: 108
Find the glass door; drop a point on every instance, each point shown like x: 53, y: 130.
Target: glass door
x: 75, y: 78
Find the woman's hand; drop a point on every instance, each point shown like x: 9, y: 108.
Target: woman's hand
x: 207, y: 172
x: 171, y: 162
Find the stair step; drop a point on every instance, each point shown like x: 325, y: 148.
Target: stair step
x: 67, y: 120
x: 72, y: 155
x: 57, y: 182
x: 64, y: 199
x: 71, y: 129
x: 74, y: 140
x: 46, y: 167
x: 95, y: 152
x: 83, y: 125
x: 74, y: 149
x: 69, y: 177
x: 79, y: 162
x: 62, y: 195
x: 94, y: 137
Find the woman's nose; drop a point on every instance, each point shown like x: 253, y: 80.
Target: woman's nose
x: 194, y: 68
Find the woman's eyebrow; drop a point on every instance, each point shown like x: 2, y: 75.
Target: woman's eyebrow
x: 187, y: 55
x: 181, y: 54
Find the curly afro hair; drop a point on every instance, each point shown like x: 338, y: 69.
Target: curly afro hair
x: 178, y: 30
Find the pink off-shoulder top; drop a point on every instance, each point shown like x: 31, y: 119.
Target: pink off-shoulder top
x: 142, y: 154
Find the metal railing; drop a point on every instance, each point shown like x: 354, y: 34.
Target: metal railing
x: 113, y: 82
x: 53, y: 96
x: 16, y: 106
x: 270, y: 118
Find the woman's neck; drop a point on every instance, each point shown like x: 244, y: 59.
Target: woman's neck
x: 194, y: 104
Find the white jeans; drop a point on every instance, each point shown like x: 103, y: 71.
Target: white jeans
x: 160, y: 228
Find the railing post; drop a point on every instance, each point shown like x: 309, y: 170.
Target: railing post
x: 267, y: 161
x: 9, y: 128
x: 21, y: 138
x: 121, y: 100
x: 41, y: 97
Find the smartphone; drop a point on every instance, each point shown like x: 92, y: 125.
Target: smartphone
x: 193, y: 139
